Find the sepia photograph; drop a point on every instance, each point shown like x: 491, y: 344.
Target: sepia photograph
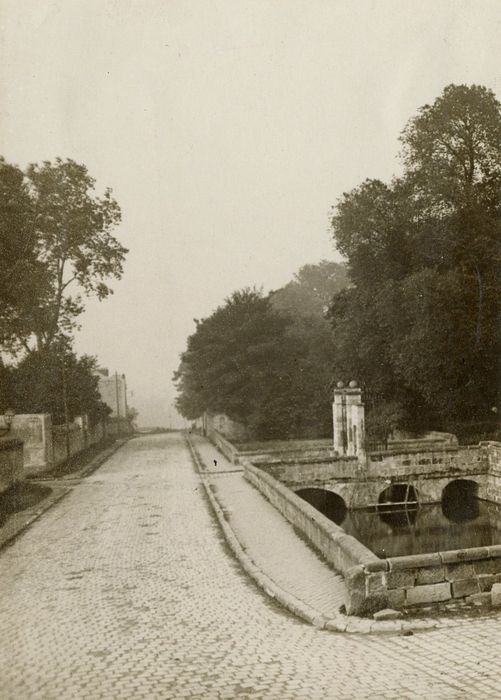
x: 250, y: 349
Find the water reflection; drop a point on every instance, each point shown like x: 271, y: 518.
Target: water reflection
x: 460, y: 521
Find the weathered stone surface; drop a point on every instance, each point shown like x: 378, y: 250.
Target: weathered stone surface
x: 375, y: 583
x: 435, y: 574
x: 485, y: 582
x: 387, y: 614
x: 487, y: 566
x: 396, y: 597
x: 355, y: 579
x: 400, y: 579
x: 496, y: 595
x: 379, y: 565
x: 432, y: 593
x: 457, y: 572
x: 355, y: 603
x: 494, y: 550
x: 460, y: 589
x: 479, y: 598
x: 459, y: 555
x: 414, y: 561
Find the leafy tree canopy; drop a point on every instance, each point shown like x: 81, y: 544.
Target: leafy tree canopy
x: 23, y: 278
x: 52, y: 381
x: 311, y: 290
x: 56, y: 244
x: 420, y: 326
x: 73, y: 227
x: 266, y: 361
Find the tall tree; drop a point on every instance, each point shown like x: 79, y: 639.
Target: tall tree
x: 233, y: 360
x: 452, y: 148
x: 23, y: 279
x: 73, y: 226
x: 310, y: 291
x: 54, y: 380
x: 421, y: 324
x: 266, y: 361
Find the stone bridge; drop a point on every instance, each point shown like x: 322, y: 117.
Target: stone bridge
x: 368, y: 480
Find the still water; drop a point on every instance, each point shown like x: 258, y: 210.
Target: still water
x: 393, y: 531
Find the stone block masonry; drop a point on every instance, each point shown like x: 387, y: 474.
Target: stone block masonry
x: 375, y: 583
x: 46, y: 445
x: 401, y: 582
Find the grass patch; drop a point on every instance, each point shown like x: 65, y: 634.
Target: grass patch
x: 20, y: 497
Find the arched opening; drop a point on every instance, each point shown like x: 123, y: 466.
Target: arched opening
x: 460, y: 501
x: 397, y: 505
x: 398, y: 494
x: 329, y: 504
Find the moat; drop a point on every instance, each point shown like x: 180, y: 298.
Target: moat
x: 459, y: 521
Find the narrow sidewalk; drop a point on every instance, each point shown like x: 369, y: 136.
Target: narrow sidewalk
x: 269, y: 540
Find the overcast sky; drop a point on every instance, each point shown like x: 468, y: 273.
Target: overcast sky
x: 226, y: 129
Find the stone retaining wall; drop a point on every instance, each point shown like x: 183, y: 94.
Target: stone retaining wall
x: 422, y: 579
x: 397, y: 581
x: 374, y: 583
x: 11, y: 462
x: 225, y: 446
x: 342, y: 551
x: 274, y: 451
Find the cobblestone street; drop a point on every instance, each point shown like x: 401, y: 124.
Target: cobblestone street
x: 125, y: 589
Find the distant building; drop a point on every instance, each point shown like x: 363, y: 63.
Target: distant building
x: 209, y: 423
x: 113, y: 390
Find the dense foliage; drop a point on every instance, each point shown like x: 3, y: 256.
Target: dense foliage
x: 266, y: 361
x: 420, y: 328
x: 55, y: 237
x: 53, y: 381
x: 55, y: 246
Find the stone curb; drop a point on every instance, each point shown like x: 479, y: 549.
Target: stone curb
x: 87, y: 469
x: 292, y: 604
x: 25, y: 519
x: 341, y: 623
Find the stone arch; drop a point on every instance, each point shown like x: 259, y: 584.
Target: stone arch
x: 329, y: 503
x: 398, y: 493
x: 460, y: 500
x: 398, y: 505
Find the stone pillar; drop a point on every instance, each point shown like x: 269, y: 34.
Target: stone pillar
x: 339, y: 419
x: 349, y: 419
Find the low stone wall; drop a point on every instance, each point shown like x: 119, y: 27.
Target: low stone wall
x: 422, y: 579
x: 34, y: 430
x: 225, y: 446
x: 307, y: 471
x: 11, y: 462
x: 372, y: 582
x: 342, y: 551
x: 286, y: 451
x: 273, y: 451
x: 399, y: 582
x: 445, y: 460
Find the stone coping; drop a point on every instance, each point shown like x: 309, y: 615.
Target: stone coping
x: 335, y: 534
x: 452, y: 556
x: 291, y: 461
x: 433, y: 447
